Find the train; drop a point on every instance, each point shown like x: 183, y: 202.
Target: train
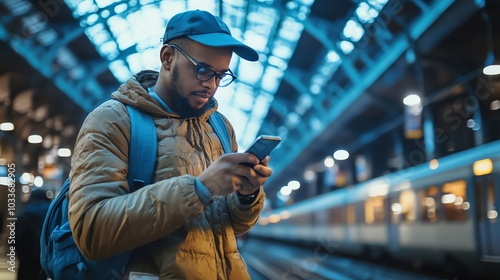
x: 441, y: 215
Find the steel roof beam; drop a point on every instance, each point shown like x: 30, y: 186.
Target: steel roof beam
x: 382, y: 63
x: 318, y: 28
x: 69, y: 34
x: 292, y: 77
x: 26, y: 50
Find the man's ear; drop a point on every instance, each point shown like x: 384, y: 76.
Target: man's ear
x: 166, y: 57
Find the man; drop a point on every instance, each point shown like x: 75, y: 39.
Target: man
x: 183, y: 225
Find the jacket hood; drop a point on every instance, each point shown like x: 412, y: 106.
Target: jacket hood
x: 134, y: 92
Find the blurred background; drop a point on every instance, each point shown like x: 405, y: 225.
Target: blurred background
x: 389, y: 111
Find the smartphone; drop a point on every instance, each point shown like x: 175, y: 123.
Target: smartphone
x: 263, y: 145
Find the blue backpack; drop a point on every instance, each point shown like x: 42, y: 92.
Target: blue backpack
x: 60, y: 257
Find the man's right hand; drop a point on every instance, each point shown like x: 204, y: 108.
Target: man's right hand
x: 227, y: 175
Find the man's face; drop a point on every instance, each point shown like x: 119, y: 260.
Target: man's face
x: 187, y: 95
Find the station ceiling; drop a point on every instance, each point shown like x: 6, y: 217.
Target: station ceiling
x: 331, y: 74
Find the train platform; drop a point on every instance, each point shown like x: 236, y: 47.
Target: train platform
x: 272, y: 260
x: 5, y: 274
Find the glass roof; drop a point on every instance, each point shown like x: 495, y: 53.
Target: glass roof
x: 128, y: 34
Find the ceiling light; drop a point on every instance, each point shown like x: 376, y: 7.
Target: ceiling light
x: 495, y: 105
x: 329, y: 162
x: 294, y: 185
x: 64, y: 152
x: 492, y: 69
x: 412, y: 100
x: 35, y: 139
x: 7, y: 126
x: 38, y: 182
x: 341, y: 155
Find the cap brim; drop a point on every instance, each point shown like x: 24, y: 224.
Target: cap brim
x: 226, y: 40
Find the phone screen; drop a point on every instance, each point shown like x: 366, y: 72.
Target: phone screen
x: 263, y: 145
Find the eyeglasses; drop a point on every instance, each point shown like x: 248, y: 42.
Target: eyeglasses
x: 205, y: 73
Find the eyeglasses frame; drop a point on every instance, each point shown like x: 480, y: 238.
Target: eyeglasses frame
x: 199, y: 66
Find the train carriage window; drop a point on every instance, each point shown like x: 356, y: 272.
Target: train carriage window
x: 454, y: 200
x: 321, y: 217
x: 359, y: 212
x: 395, y: 209
x: 336, y: 216
x: 303, y: 218
x: 374, y: 210
x: 407, y: 206
x: 429, y: 204
x: 487, y: 211
x: 350, y: 214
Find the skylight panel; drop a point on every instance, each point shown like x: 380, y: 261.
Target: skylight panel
x: 236, y: 3
x: 377, y: 4
x: 271, y: 79
x: 171, y: 8
x: 291, y: 29
x: 346, y: 47
x: 77, y: 72
x: 252, y: 128
x: 246, y: 100
x: 256, y: 40
x: 93, y: 30
x: 282, y: 50
x: 121, y: 72
x: 103, y: 3
x: 305, y: 102
x: 146, y: 27
x: 17, y: 7
x: 91, y: 19
x: 307, y: 3
x: 250, y: 72
x: 66, y: 58
x: 33, y: 23
x: 120, y: 8
x: 261, y: 106
x: 134, y: 60
x: 83, y: 7
x: 121, y: 31
x: 318, y: 80
x: 108, y: 48
x: 278, y: 62
x: 332, y: 57
x: 224, y: 95
x: 146, y: 2
x: 47, y: 37
x: 150, y: 58
x: 101, y: 37
x: 118, y: 26
x: 239, y: 117
x: 369, y: 10
x: 201, y: 5
x: 353, y: 30
x: 261, y: 23
x: 315, y: 88
x: 125, y: 41
x: 365, y: 13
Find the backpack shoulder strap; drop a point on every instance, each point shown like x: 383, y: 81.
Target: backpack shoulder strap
x: 142, y: 150
x: 220, y: 128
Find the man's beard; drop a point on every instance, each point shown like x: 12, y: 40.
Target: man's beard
x: 181, y: 103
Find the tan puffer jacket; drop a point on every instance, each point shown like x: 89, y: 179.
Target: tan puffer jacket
x: 174, y: 236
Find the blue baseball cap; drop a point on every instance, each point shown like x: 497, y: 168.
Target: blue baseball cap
x: 206, y: 29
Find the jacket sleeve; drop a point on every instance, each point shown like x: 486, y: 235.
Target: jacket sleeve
x: 105, y: 218
x: 243, y: 216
